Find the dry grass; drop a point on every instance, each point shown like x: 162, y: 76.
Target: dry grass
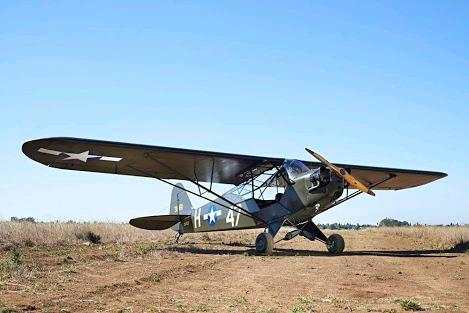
x: 31, y: 234
x: 437, y: 237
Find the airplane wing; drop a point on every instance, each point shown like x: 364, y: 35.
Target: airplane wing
x: 142, y: 160
x: 184, y: 164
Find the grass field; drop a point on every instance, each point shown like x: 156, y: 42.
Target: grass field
x: 45, y: 267
x: 32, y: 234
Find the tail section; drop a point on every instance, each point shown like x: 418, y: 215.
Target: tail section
x: 179, y: 210
x: 180, y: 203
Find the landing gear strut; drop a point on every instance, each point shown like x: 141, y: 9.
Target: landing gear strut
x: 178, y: 236
x: 335, y: 243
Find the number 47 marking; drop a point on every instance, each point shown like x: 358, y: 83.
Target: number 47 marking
x: 230, y: 217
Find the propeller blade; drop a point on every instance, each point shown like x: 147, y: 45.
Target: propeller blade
x: 352, y: 181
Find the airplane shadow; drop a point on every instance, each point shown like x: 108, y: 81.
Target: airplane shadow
x: 282, y: 252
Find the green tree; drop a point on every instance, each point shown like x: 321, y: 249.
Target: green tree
x: 389, y: 222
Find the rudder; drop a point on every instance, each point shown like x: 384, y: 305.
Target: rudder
x: 180, y: 203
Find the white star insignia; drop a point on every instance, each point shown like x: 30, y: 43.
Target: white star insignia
x: 84, y: 156
x: 211, y: 216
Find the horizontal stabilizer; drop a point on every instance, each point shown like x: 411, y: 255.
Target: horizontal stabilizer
x: 158, y: 222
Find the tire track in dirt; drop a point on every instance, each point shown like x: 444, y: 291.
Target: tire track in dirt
x: 152, y: 276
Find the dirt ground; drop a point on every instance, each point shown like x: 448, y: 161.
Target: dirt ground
x: 220, y: 274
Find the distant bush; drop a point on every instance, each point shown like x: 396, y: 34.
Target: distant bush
x: 22, y: 219
x: 89, y: 236
x: 335, y: 226
x: 389, y: 222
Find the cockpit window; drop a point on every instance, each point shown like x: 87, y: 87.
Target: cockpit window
x: 294, y: 168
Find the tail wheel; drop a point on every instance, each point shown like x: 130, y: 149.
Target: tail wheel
x: 335, y: 244
x: 264, y: 243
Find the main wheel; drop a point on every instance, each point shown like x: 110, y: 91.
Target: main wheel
x: 335, y: 244
x: 264, y: 243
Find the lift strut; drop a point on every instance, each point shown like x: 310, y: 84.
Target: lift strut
x: 356, y: 193
x: 242, y: 211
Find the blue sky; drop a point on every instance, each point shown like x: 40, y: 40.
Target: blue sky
x: 370, y: 83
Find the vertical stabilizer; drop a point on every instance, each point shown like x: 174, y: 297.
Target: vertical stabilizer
x: 180, y: 203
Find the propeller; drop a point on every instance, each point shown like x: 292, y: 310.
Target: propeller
x: 352, y: 181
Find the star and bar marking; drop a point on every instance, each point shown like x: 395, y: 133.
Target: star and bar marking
x: 82, y: 156
x: 212, y: 215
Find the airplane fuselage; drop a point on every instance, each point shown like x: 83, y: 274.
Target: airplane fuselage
x: 300, y: 202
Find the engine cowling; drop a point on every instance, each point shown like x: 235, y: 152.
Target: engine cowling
x: 320, y: 177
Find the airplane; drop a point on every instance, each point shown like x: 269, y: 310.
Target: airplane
x: 268, y: 192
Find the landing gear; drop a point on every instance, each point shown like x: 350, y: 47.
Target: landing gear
x: 178, y: 236
x: 264, y: 243
x: 335, y: 244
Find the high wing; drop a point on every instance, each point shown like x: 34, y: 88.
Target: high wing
x: 143, y: 160
x: 184, y: 164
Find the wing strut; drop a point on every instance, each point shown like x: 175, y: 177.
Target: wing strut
x: 356, y: 193
x: 241, y: 210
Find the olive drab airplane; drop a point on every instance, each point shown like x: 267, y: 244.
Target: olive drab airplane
x: 268, y: 192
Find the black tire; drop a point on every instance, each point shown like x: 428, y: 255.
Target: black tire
x: 278, y: 196
x: 336, y: 244
x: 264, y: 244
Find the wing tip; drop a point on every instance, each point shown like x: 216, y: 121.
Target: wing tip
x: 30, y: 148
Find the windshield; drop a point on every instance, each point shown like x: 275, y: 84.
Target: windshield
x: 295, y: 168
